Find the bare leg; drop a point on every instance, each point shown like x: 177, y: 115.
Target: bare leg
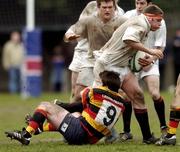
x: 152, y: 82
x: 74, y: 76
x: 55, y: 113
x: 131, y: 87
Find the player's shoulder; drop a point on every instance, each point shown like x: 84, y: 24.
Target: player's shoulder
x: 87, y: 19
x: 120, y: 19
x: 89, y: 9
x: 119, y: 10
x: 91, y: 4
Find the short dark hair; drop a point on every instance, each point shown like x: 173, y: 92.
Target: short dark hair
x: 111, y: 80
x: 153, y: 9
x: 99, y: 2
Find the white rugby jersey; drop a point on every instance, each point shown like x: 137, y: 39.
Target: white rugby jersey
x: 91, y: 8
x: 117, y: 53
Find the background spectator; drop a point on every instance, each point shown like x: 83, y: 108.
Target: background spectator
x: 57, y: 69
x: 13, y: 55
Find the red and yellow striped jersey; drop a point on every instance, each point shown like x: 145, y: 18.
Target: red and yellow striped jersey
x: 102, y: 108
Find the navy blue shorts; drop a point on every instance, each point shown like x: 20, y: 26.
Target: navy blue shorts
x: 72, y: 130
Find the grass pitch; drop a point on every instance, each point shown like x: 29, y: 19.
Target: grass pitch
x: 13, y: 110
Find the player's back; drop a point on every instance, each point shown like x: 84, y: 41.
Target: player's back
x: 103, y: 108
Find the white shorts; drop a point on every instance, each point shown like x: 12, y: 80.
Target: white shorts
x: 79, y: 58
x: 99, y: 67
x: 154, y: 70
x: 85, y: 77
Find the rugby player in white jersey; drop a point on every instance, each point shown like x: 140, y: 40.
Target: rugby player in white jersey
x: 126, y: 40
x: 150, y: 74
x: 98, y: 29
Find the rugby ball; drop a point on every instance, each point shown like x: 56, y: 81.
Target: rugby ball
x: 134, y: 63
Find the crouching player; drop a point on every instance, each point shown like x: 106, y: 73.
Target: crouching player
x: 99, y: 110
x: 170, y: 138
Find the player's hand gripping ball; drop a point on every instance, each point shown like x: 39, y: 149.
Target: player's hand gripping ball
x: 134, y: 63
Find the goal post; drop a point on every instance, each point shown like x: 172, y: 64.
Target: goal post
x: 32, y: 69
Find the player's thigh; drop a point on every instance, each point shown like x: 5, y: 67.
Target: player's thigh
x: 74, y: 76
x: 98, y: 68
x: 55, y: 113
x: 131, y: 87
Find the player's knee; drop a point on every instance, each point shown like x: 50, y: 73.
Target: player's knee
x: 155, y: 95
x: 44, y: 105
x: 139, y: 96
x: 177, y: 92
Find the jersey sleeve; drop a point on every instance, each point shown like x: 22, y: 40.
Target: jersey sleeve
x: 133, y: 33
x: 80, y: 27
x: 127, y: 14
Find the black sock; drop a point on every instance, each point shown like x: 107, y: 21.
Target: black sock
x: 142, y: 118
x: 127, y: 116
x: 160, y: 110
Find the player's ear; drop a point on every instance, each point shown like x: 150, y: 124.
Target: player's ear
x: 150, y: 19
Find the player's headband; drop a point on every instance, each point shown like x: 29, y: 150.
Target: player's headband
x: 155, y: 16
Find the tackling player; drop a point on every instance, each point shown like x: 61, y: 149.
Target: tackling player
x: 99, y: 109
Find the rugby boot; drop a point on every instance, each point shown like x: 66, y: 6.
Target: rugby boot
x: 167, y: 140
x: 125, y: 136
x: 151, y: 140
x: 22, y: 136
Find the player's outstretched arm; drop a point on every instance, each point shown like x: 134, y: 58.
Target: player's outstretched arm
x: 70, y: 36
